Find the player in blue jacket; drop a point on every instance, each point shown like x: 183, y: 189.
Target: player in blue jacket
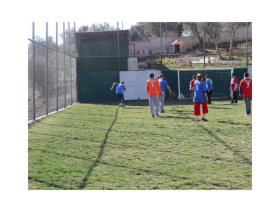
x: 162, y: 84
x: 120, y: 90
x: 200, y: 96
x: 209, y: 86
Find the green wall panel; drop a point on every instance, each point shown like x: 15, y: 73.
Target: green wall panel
x: 171, y: 78
x: 95, y: 86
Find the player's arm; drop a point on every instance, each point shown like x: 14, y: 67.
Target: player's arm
x: 240, y: 88
x: 190, y: 86
x: 147, y: 84
x: 236, y: 85
x: 168, y: 88
x: 124, y: 89
x: 205, y: 91
x: 158, y: 86
x: 113, y: 86
x: 208, y: 86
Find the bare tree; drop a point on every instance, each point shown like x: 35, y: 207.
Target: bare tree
x: 212, y: 31
x: 233, y: 26
x: 195, y: 29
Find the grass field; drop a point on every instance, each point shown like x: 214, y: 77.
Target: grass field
x: 101, y: 146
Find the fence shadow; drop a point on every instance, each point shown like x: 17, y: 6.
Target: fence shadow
x: 97, y: 160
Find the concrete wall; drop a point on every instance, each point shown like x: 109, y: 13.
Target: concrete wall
x: 135, y: 83
x: 154, y: 43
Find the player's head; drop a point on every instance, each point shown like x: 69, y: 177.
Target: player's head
x: 233, y: 75
x: 199, y: 76
x: 122, y: 82
x: 206, y: 76
x: 158, y: 77
x: 152, y: 75
x: 161, y: 76
x: 194, y: 77
x: 246, y: 74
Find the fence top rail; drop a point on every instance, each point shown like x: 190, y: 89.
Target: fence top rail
x: 204, y: 69
x: 49, y: 47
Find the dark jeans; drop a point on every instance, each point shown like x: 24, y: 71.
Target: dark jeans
x: 209, y: 94
x: 234, y: 96
x: 120, y: 96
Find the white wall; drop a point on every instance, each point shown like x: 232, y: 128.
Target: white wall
x: 135, y: 83
x: 250, y: 72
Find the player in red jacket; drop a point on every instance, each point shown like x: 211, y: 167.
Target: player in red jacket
x: 234, y: 87
x: 245, y: 90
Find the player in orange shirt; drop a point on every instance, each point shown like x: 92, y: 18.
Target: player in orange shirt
x: 154, y: 91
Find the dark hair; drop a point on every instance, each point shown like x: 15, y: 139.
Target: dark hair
x: 246, y: 74
x: 152, y: 75
x: 194, y: 77
x: 233, y: 74
x: 206, y: 76
x: 199, y: 76
x: 161, y: 75
x: 158, y: 76
x: 122, y: 82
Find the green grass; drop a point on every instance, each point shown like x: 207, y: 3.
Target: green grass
x: 100, y: 146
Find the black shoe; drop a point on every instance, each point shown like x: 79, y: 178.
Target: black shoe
x: 162, y: 111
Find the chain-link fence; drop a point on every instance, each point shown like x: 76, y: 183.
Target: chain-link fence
x: 51, y: 72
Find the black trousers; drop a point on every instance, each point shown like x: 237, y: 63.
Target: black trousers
x: 209, y: 94
x: 120, y: 96
x: 234, y: 96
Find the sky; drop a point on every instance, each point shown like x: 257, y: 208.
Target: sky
x: 40, y: 28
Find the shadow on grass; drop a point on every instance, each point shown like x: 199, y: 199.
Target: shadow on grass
x: 223, y: 142
x: 97, y: 160
x: 47, y: 183
x: 174, y: 117
x: 228, y: 122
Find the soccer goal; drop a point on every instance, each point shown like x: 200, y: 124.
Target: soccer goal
x: 220, y: 77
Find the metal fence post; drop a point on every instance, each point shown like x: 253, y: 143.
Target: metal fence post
x: 204, y: 43
x: 160, y: 31
x: 64, y: 64
x: 77, y: 96
x: 118, y: 37
x: 47, y: 67
x: 56, y: 66
x: 247, y: 45
x: 33, y: 56
x: 69, y: 36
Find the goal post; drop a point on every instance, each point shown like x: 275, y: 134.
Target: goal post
x: 220, y: 77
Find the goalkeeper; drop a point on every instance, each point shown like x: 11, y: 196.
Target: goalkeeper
x: 162, y: 84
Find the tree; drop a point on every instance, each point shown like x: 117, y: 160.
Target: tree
x: 232, y: 26
x: 83, y: 28
x: 172, y: 29
x: 97, y: 27
x: 212, y: 31
x: 195, y: 29
x: 140, y: 28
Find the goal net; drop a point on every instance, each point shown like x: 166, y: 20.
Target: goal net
x: 220, y: 77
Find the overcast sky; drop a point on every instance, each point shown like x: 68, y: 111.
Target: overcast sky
x: 40, y: 28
